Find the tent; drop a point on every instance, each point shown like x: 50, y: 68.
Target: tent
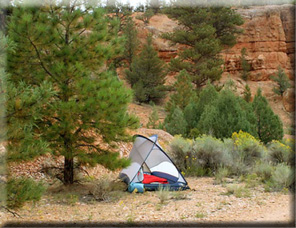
x: 151, y: 168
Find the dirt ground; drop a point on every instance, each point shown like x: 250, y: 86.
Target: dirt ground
x: 204, y: 203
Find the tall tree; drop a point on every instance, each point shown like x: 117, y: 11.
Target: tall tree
x: 184, y: 92
x: 269, y: 125
x: 204, y: 34
x: 282, y: 82
x: 62, y: 95
x: 147, y: 74
x: 131, y: 42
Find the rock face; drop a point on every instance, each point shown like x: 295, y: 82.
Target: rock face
x: 269, y: 38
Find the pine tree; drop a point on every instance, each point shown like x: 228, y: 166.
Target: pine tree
x: 175, y: 123
x: 246, y: 67
x: 282, y: 82
x: 227, y: 115
x: 147, y: 75
x: 247, y: 93
x: 195, y: 108
x: 62, y: 95
x: 130, y: 45
x: 203, y: 33
x: 153, y: 118
x: 269, y: 125
x: 184, y: 92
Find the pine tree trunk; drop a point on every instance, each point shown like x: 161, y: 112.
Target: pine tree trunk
x: 69, y: 171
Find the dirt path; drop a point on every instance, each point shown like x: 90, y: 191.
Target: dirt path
x: 204, y: 203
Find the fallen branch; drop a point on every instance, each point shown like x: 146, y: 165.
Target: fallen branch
x: 15, y: 214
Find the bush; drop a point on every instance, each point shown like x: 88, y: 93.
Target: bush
x: 181, y: 148
x: 207, y: 153
x: 264, y: 170
x: 21, y: 190
x: 279, y: 152
x: 282, y: 177
x: 247, y: 147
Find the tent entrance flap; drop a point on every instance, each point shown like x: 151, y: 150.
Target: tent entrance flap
x: 148, y: 157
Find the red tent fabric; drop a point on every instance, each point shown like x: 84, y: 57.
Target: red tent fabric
x: 150, y: 178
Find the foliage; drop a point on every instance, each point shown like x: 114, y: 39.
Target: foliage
x: 279, y: 152
x: 226, y: 115
x: 282, y: 177
x: 207, y: 153
x: 147, y: 74
x: 221, y: 174
x: 146, y: 16
x: 204, y: 35
x: 240, y: 156
x: 163, y: 195
x: 153, y: 119
x: 238, y: 191
x: 269, y: 125
x: 264, y: 170
x: 22, y: 190
x: 247, y: 93
x: 282, y: 82
x: 246, y: 67
x: 184, y: 92
x: 120, y: 11
x: 131, y: 42
x: 248, y: 148
x: 180, y: 150
x: 175, y: 123
x: 194, y: 109
x: 62, y: 77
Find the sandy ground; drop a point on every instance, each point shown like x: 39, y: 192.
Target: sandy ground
x: 204, y: 203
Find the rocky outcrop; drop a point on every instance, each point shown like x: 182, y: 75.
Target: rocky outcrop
x: 269, y: 38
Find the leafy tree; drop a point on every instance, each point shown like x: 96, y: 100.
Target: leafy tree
x: 130, y: 45
x: 204, y: 35
x: 269, y: 125
x: 247, y: 93
x: 147, y: 74
x: 282, y: 82
x: 225, y: 116
x: 175, y: 123
x: 246, y: 67
x: 61, y: 93
x: 184, y: 92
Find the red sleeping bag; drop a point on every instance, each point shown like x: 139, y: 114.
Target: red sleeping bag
x: 150, y: 178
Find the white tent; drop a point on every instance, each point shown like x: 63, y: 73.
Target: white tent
x: 147, y: 157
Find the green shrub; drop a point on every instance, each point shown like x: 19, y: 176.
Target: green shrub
x: 264, y: 170
x: 282, y: 177
x: 21, y: 190
x: 279, y: 152
x: 180, y: 150
x: 247, y: 147
x: 207, y: 152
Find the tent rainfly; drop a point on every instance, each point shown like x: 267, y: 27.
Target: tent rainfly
x: 151, y: 168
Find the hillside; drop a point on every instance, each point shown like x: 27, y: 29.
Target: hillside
x: 269, y: 38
